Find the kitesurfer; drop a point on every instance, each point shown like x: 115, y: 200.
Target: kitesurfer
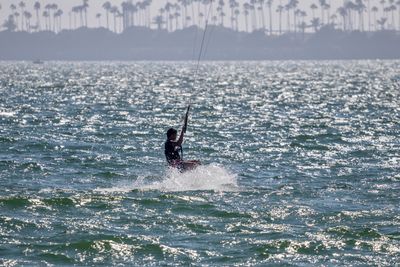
x: 173, y: 149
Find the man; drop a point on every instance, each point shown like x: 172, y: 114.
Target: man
x: 173, y: 147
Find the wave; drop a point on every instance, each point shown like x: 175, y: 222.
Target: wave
x: 204, y: 178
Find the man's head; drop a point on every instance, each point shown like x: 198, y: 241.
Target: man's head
x: 171, y: 134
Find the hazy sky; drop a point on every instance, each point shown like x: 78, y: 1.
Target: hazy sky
x: 95, y: 7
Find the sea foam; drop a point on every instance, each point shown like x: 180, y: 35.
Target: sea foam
x: 207, y: 177
x: 204, y: 178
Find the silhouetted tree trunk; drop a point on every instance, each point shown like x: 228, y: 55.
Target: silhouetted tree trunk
x: 280, y: 22
x: 81, y: 17
x: 246, y: 20
x: 115, y: 22
x: 398, y: 8
x: 22, y: 7
x: 108, y: 20
x: 37, y: 18
x: 270, y: 18
x: 369, y: 14
x: 262, y: 15
x: 70, y: 20
x: 288, y: 19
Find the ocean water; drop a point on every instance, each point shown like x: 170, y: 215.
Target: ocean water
x: 301, y: 164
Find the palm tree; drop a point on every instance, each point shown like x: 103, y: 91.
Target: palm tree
x: 375, y: 11
x: 188, y: 19
x: 253, y: 14
x: 14, y: 17
x: 120, y: 16
x: 221, y: 12
x: 22, y: 7
x: 293, y: 4
x: 171, y: 20
x: 185, y: 4
x: 343, y: 13
x: 98, y: 17
x: 176, y: 15
x: 85, y: 6
x: 383, y: 2
x: 280, y: 9
x: 145, y: 14
x: 297, y: 14
x: 70, y: 19
x: 46, y: 17
x: 393, y: 9
x: 57, y: 20
x: 222, y: 16
x: 13, y: 8
x: 315, y: 23
x: 232, y: 5
x: 48, y: 8
x: 142, y: 8
x: 200, y: 19
x: 54, y: 7
x: 107, y: 7
x: 313, y: 8
x: 246, y: 8
x: 269, y: 4
x: 369, y: 14
x: 133, y: 11
x: 37, y: 7
x: 125, y: 14
x: 126, y: 9
x: 214, y: 20
x: 360, y: 8
x: 192, y: 16
x: 303, y: 15
x: 28, y: 17
x: 350, y: 6
x: 382, y: 23
x: 159, y: 21
x: 168, y: 8
x: 322, y: 4
x: 78, y: 10
x: 147, y: 5
x: 75, y: 10
x: 288, y: 7
x: 303, y: 26
x: 333, y: 19
x: 261, y: 8
x: 114, y: 12
x: 237, y: 13
x: 198, y: 11
x: 327, y: 8
x: 10, y: 24
x: 398, y: 9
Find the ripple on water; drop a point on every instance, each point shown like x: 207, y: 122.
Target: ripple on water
x: 301, y: 164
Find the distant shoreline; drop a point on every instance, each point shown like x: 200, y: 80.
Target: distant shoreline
x: 222, y: 44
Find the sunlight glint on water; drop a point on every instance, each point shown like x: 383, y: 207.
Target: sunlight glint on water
x: 301, y: 164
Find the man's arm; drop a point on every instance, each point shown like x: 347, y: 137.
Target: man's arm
x: 183, y: 131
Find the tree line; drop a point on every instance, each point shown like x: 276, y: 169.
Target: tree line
x: 273, y: 17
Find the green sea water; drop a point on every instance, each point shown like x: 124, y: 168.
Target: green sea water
x: 301, y: 164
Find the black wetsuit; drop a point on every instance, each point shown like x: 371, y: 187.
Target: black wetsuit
x: 172, y: 153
